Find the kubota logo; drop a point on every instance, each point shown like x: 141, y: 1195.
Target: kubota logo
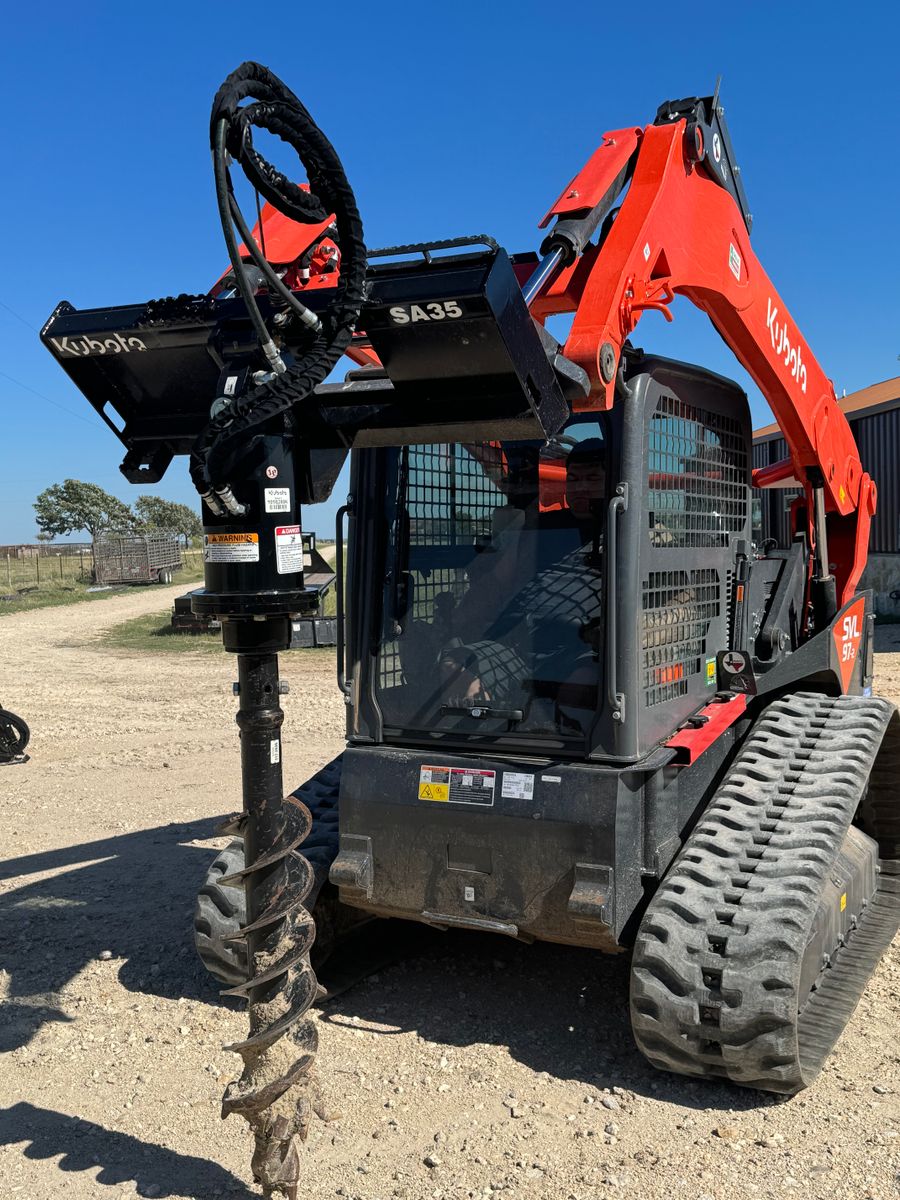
x: 781, y: 344
x: 84, y: 347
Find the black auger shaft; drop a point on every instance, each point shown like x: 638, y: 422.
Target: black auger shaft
x: 259, y: 719
x: 276, y: 1092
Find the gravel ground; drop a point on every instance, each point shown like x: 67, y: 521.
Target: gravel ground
x: 456, y: 1075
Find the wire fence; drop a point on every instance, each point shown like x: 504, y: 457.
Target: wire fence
x: 40, y: 569
x: 65, y: 569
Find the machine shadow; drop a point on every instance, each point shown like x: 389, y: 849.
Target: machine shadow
x: 558, y: 1009
x: 131, y: 894
x: 121, y: 1158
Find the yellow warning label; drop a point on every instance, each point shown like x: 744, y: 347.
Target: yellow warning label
x: 843, y: 901
x: 710, y: 668
x: 230, y: 547
x: 231, y: 539
x: 434, y: 791
x: 842, y: 493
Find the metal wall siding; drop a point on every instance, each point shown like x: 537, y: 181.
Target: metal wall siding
x: 878, y: 438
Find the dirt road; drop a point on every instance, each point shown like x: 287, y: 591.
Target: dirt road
x: 457, y: 1075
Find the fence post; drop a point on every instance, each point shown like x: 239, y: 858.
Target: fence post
x: 37, y: 560
x: 60, y: 567
x: 8, y: 572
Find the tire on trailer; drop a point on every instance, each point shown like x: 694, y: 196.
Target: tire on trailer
x: 220, y: 911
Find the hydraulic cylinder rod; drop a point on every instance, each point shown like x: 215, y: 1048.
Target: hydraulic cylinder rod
x: 544, y: 273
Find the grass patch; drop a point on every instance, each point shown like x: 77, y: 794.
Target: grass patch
x: 27, y: 593
x: 154, y: 633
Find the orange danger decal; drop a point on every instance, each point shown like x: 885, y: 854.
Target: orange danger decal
x: 847, y: 634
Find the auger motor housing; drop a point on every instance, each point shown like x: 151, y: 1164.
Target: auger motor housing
x: 253, y: 550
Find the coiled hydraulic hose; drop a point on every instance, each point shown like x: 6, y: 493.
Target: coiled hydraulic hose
x: 276, y: 109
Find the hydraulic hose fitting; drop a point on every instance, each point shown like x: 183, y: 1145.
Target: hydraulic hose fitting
x: 211, y: 500
x: 231, y: 502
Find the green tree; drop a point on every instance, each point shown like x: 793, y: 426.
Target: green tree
x: 73, y: 506
x: 153, y: 512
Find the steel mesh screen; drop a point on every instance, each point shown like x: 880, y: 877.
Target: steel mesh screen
x: 450, y: 501
x: 676, y: 610
x: 450, y: 495
x: 698, y: 488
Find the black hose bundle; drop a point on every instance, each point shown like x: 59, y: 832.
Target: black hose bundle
x: 278, y: 110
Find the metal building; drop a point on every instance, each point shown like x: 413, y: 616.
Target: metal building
x: 874, y: 415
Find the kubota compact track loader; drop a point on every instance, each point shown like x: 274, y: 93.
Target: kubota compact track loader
x: 582, y: 705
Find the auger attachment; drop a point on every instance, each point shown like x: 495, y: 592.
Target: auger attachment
x: 277, y: 1092
x: 254, y: 472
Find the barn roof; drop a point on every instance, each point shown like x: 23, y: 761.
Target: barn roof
x: 877, y: 397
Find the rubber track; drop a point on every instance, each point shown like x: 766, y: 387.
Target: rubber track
x: 220, y: 910
x: 717, y: 959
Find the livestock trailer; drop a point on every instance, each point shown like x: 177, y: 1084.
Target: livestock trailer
x: 137, y: 558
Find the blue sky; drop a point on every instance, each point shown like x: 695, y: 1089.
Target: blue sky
x: 450, y: 119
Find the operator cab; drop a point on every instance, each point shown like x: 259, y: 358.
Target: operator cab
x: 493, y: 597
x: 563, y: 595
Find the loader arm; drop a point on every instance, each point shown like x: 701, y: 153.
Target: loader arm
x: 679, y: 231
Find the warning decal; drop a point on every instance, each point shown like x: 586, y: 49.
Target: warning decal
x: 230, y: 547
x: 456, y: 785
x: 288, y: 549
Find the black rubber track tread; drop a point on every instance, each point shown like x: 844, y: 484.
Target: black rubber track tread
x: 717, y: 960
x: 220, y: 911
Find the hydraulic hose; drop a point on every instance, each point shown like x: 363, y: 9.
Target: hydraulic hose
x: 276, y: 109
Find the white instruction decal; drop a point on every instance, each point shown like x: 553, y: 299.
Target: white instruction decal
x: 278, y: 499
x: 517, y: 786
x: 230, y: 547
x: 734, y: 262
x: 274, y: 751
x: 551, y: 779
x: 288, y: 549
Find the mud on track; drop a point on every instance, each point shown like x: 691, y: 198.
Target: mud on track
x: 510, y: 1068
